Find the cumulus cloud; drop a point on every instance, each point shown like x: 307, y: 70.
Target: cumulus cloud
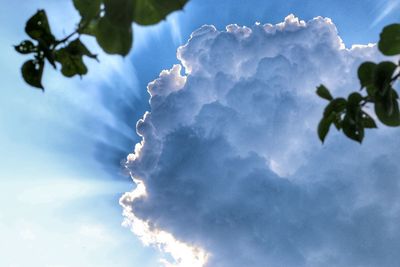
x: 230, y: 165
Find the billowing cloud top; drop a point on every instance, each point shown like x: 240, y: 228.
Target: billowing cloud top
x: 230, y: 171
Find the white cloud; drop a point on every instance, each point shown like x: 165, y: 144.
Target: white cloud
x: 230, y: 164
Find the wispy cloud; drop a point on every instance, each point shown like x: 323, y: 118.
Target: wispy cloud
x: 388, y: 8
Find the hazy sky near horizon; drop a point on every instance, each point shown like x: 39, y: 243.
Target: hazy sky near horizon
x: 60, y: 174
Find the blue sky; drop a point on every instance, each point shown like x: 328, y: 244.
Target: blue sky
x: 61, y: 150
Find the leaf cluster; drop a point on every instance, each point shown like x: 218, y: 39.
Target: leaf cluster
x: 376, y: 79
x: 108, y: 21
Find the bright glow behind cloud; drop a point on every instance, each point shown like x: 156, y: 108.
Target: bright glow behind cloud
x: 183, y: 254
x: 232, y: 167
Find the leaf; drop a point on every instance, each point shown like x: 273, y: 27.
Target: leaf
x: 337, y: 105
x: 337, y: 121
x: 119, y: 12
x: 71, y: 58
x: 88, y: 9
x: 25, y: 47
x: 324, y: 125
x: 324, y: 93
x: 112, y: 38
x: 371, y: 91
x: 353, y: 111
x: 366, y: 73
x: 76, y: 47
x: 383, y: 76
x: 354, y: 99
x: 49, y: 54
x: 394, y: 94
x: 89, y: 27
x: 32, y: 72
x: 353, y: 130
x: 387, y: 103
x: 147, y: 12
x: 389, y: 43
x: 37, y: 27
x: 368, y: 121
x: 70, y: 65
x: 388, y: 116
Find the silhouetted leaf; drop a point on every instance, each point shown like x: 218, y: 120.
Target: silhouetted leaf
x: 389, y: 43
x: 112, y: 38
x: 90, y: 27
x: 76, y: 47
x: 88, y: 9
x: 32, y: 72
x: 25, y: 47
x: 387, y: 109
x: 337, y: 105
x: 383, y: 76
x: 371, y: 91
x: 368, y: 122
x: 119, y: 12
x: 354, y: 99
x: 70, y: 65
x: 37, y: 27
x: 109, y: 21
x: 394, y: 94
x: 324, y: 93
x: 148, y: 12
x: 71, y: 58
x: 352, y: 129
x: 387, y: 103
x: 366, y: 73
x: 337, y: 121
x: 353, y: 111
x: 324, y: 125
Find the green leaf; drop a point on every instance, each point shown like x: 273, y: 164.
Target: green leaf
x: 337, y: 121
x: 119, y: 12
x: 88, y: 9
x: 353, y: 130
x: 366, y: 73
x: 25, y: 47
x: 394, y: 94
x: 89, y: 27
x: 38, y: 28
x: 354, y: 99
x: 353, y: 112
x: 77, y: 48
x: 337, y: 105
x: 368, y: 121
x: 383, y: 76
x: 324, y: 125
x: 32, y: 72
x: 389, y: 43
x: 371, y: 91
x: 70, y: 65
x: 324, y: 93
x: 71, y: 58
x: 387, y: 103
x: 112, y: 38
x: 147, y: 12
x: 49, y: 54
x: 387, y: 110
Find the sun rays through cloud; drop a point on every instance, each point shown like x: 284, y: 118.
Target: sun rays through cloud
x: 225, y: 166
x: 388, y: 8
